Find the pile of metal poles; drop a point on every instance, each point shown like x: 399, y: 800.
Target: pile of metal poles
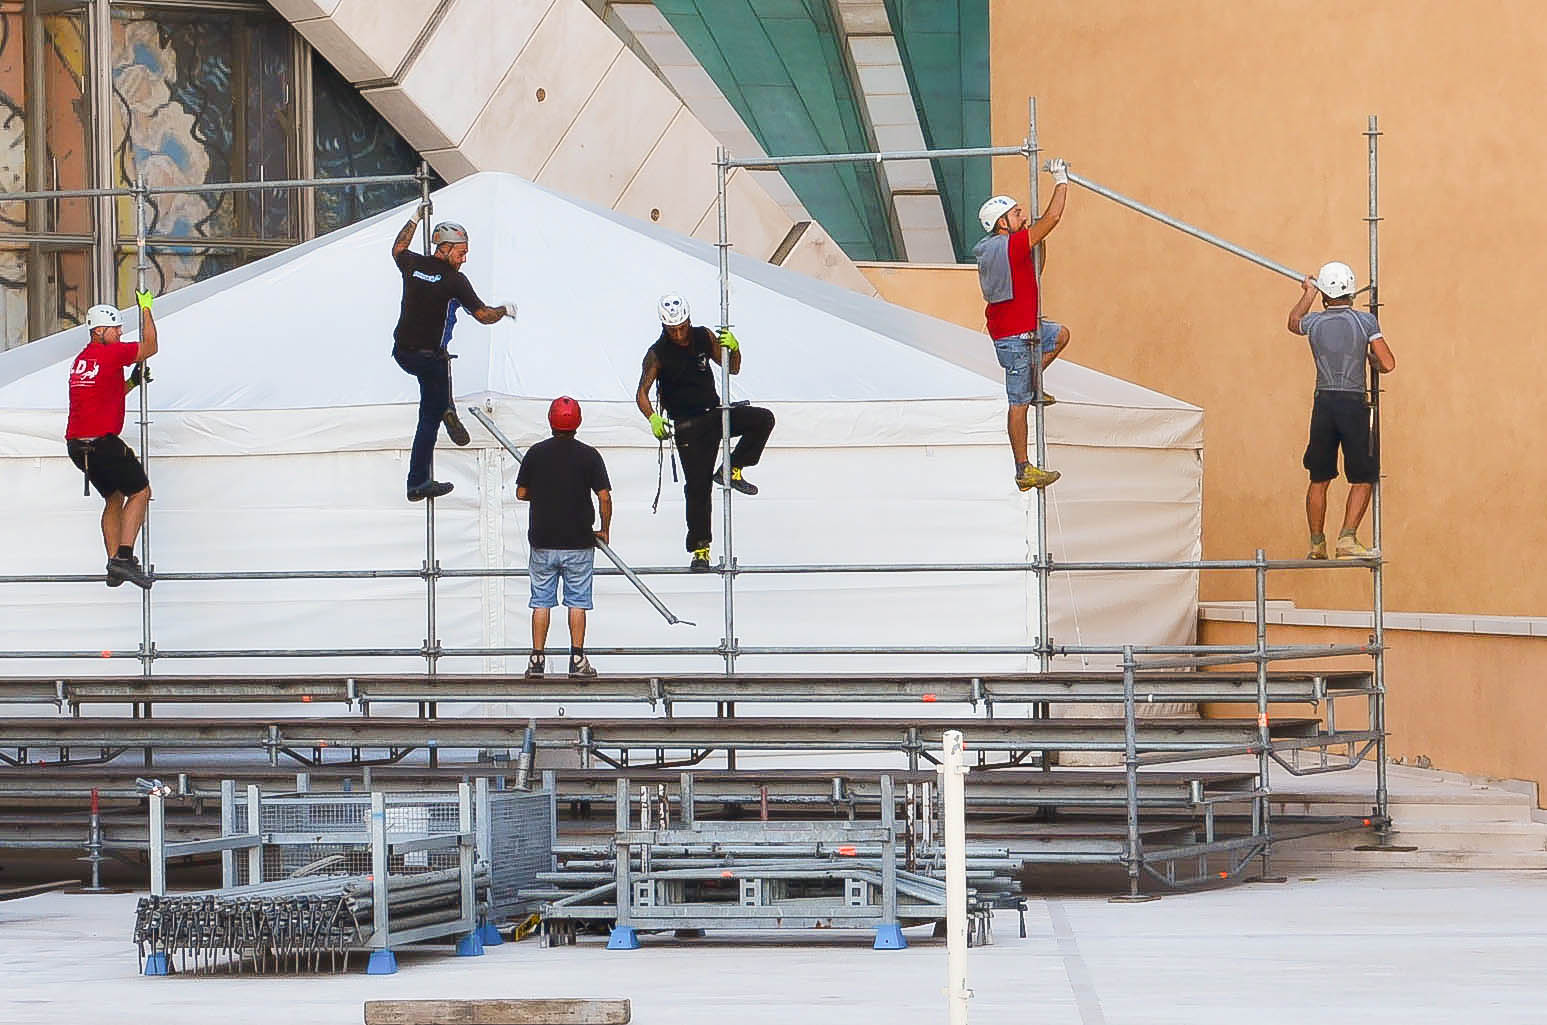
x: 293, y: 925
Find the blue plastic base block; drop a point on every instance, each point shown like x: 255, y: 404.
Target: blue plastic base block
x: 382, y: 962
x: 491, y: 936
x: 470, y: 945
x: 157, y: 964
x: 890, y: 937
x: 623, y: 938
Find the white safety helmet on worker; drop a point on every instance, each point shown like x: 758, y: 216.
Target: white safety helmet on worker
x: 673, y: 309
x: 103, y: 315
x: 990, y: 212
x: 448, y: 233
x: 1335, y: 280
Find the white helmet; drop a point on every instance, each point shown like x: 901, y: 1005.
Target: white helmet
x: 103, y: 315
x: 673, y: 309
x: 990, y: 212
x: 448, y: 233
x: 1335, y: 280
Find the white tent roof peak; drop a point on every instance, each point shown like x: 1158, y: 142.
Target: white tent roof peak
x: 311, y: 327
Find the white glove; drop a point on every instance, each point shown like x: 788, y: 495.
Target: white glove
x: 510, y: 309
x: 1058, y: 167
x: 423, y: 212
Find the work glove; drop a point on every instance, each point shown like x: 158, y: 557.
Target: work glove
x: 729, y: 340
x: 1058, y: 167
x: 144, y: 299
x: 423, y: 211
x: 140, y: 375
x: 658, y: 426
x: 510, y: 309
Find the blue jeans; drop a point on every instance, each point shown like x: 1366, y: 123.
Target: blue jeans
x: 1014, y: 355
x: 433, y: 370
x: 547, y: 565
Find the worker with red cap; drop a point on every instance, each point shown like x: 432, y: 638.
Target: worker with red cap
x: 557, y: 477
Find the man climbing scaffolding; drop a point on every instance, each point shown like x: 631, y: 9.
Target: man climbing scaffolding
x: 1342, y: 340
x: 1008, y: 281
x: 97, y: 390
x: 434, y: 288
x: 681, y: 360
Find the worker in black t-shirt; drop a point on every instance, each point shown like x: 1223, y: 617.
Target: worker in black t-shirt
x: 434, y: 288
x: 558, y: 476
x: 682, y: 361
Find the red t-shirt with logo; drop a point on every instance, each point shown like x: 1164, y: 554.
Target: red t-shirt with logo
x: 1018, y: 314
x: 97, y: 389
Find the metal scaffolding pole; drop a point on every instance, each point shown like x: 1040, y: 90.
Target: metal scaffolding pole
x: 147, y: 645
x: 1382, y: 798
x: 1039, y: 405
x: 205, y: 187
x: 728, y: 561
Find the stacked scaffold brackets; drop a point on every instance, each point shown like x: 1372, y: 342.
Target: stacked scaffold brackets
x: 310, y: 878
x: 741, y: 875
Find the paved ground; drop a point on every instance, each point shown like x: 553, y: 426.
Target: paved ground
x: 1401, y: 947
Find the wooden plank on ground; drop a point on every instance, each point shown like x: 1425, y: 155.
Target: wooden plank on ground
x: 497, y: 1012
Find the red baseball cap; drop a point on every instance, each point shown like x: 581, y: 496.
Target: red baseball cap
x: 564, y: 414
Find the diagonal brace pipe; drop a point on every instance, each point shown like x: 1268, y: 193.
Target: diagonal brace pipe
x: 1183, y: 226
x: 623, y: 567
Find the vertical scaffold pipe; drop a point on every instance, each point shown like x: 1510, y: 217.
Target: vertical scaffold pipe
x: 431, y: 644
x: 424, y: 201
x: 147, y: 645
x: 953, y: 772
x: 1262, y: 809
x: 728, y: 572
x: 1131, y: 772
x: 1039, y: 407
x: 1382, y: 798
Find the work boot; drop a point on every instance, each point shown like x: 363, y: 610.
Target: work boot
x: 1318, y: 549
x: 1030, y: 477
x: 454, y: 429
x: 1047, y: 398
x: 742, y: 485
x: 127, y: 568
x: 1350, y: 548
x: 536, y: 666
x: 579, y: 665
x: 700, y: 563
x: 434, y: 489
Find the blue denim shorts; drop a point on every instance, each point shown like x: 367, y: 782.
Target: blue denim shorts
x: 574, y: 565
x: 1014, y: 355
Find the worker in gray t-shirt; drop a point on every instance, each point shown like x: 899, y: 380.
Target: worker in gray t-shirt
x: 1342, y: 340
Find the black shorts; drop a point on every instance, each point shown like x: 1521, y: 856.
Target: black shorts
x: 1341, y: 418
x: 109, y: 464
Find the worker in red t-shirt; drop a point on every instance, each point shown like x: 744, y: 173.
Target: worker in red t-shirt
x: 1008, y: 280
x: 97, y: 390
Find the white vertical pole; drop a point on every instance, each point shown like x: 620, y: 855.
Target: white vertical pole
x: 158, y: 846
x: 254, y: 827
x: 953, y: 770
x: 1039, y: 425
x: 147, y: 655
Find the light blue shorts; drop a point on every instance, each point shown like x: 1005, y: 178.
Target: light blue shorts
x: 1014, y: 355
x: 574, y: 565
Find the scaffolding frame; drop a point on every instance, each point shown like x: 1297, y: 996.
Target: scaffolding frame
x: 1042, y: 565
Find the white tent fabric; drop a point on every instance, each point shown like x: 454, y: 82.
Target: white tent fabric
x: 280, y: 429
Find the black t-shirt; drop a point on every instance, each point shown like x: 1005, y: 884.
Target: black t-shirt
x: 560, y: 473
x: 687, y: 374
x: 432, y: 294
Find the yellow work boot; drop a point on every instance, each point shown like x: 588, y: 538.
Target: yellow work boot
x: 700, y: 563
x: 1318, y: 548
x: 1030, y: 477
x: 1047, y: 398
x: 1350, y: 548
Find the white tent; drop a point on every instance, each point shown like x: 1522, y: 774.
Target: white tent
x: 280, y: 429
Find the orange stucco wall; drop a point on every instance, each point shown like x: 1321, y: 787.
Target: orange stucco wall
x: 1245, y: 118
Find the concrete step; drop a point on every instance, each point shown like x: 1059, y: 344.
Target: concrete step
x: 1296, y: 857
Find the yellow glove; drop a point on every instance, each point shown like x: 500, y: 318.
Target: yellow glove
x: 729, y: 340
x: 144, y: 299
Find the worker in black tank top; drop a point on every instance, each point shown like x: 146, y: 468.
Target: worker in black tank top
x: 683, y: 362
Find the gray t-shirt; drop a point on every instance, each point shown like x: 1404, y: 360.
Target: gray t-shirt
x: 1339, y: 337
x: 993, y: 256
